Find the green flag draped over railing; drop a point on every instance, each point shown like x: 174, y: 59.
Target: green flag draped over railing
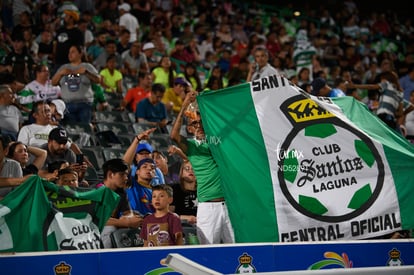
x: 41, y: 216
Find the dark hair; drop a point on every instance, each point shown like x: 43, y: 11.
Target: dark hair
x: 114, y: 165
x: 142, y: 75
x: 158, y: 87
x: 170, y: 70
x: 38, y: 67
x: 12, y: 148
x: 5, y: 140
x: 67, y: 170
x: 7, y: 78
x: 55, y: 165
x: 111, y: 56
x: 164, y: 187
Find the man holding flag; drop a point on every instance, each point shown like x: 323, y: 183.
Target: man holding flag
x: 213, y: 223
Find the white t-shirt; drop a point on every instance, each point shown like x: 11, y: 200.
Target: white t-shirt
x: 130, y: 22
x: 35, y: 134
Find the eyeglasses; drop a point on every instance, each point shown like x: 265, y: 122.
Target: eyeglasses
x: 195, y: 123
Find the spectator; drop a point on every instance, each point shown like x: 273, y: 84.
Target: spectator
x: 140, y: 192
x: 46, y: 48
x: 67, y: 177
x: 11, y: 174
x: 128, y: 21
x: 18, y: 62
x: 138, y: 93
x: 185, y: 195
x: 192, y: 76
x: 58, y: 110
x: 123, y: 42
x: 111, y: 77
x: 67, y: 36
x: 56, y: 149
x: 38, y: 89
x: 115, y: 173
x: 261, y: 67
x: 37, y: 133
x: 163, y: 220
x: 22, y: 154
x: 148, y: 49
x: 213, y: 223
x: 407, y: 83
x: 390, y: 106
x: 134, y: 62
x: 409, y: 121
x: 110, y: 49
x: 321, y: 88
x: 161, y: 161
x: 10, y: 116
x: 173, y: 97
x: 164, y: 73
x: 75, y: 79
x: 98, y: 46
x: 151, y: 110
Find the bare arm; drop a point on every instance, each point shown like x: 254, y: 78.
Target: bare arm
x: 13, y: 182
x: 175, y: 131
x: 363, y: 86
x: 39, y: 154
x: 130, y: 152
x: 176, y: 150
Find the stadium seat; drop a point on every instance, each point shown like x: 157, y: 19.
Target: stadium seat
x: 116, y: 127
x: 108, y: 139
x: 112, y: 153
x: 79, y: 127
x: 92, y: 176
x: 189, y: 234
x: 131, y: 117
x: 111, y: 116
x: 94, y: 154
x: 139, y: 127
x: 126, y: 237
x: 160, y: 141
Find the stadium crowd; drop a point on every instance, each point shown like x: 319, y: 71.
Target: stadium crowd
x: 97, y: 79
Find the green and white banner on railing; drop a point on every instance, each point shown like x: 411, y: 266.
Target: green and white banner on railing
x: 301, y: 168
x: 41, y: 216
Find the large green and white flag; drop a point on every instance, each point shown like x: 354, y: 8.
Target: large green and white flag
x: 41, y: 216
x: 301, y: 168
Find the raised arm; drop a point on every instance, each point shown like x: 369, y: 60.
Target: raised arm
x: 39, y: 154
x: 130, y: 152
x: 176, y: 129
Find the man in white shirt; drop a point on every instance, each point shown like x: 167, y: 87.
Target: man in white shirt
x: 10, y: 116
x: 261, y: 67
x: 128, y: 21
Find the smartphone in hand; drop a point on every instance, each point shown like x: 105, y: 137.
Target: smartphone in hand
x: 79, y: 159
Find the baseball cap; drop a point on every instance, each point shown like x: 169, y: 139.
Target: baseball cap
x: 144, y: 147
x: 60, y: 106
x: 148, y: 46
x: 317, y: 84
x: 72, y: 13
x: 59, y: 135
x: 125, y: 7
x: 181, y: 81
x: 146, y: 160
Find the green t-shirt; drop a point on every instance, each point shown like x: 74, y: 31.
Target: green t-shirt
x: 206, y: 171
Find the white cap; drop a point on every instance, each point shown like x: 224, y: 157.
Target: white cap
x: 125, y: 7
x: 60, y: 106
x: 148, y: 46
